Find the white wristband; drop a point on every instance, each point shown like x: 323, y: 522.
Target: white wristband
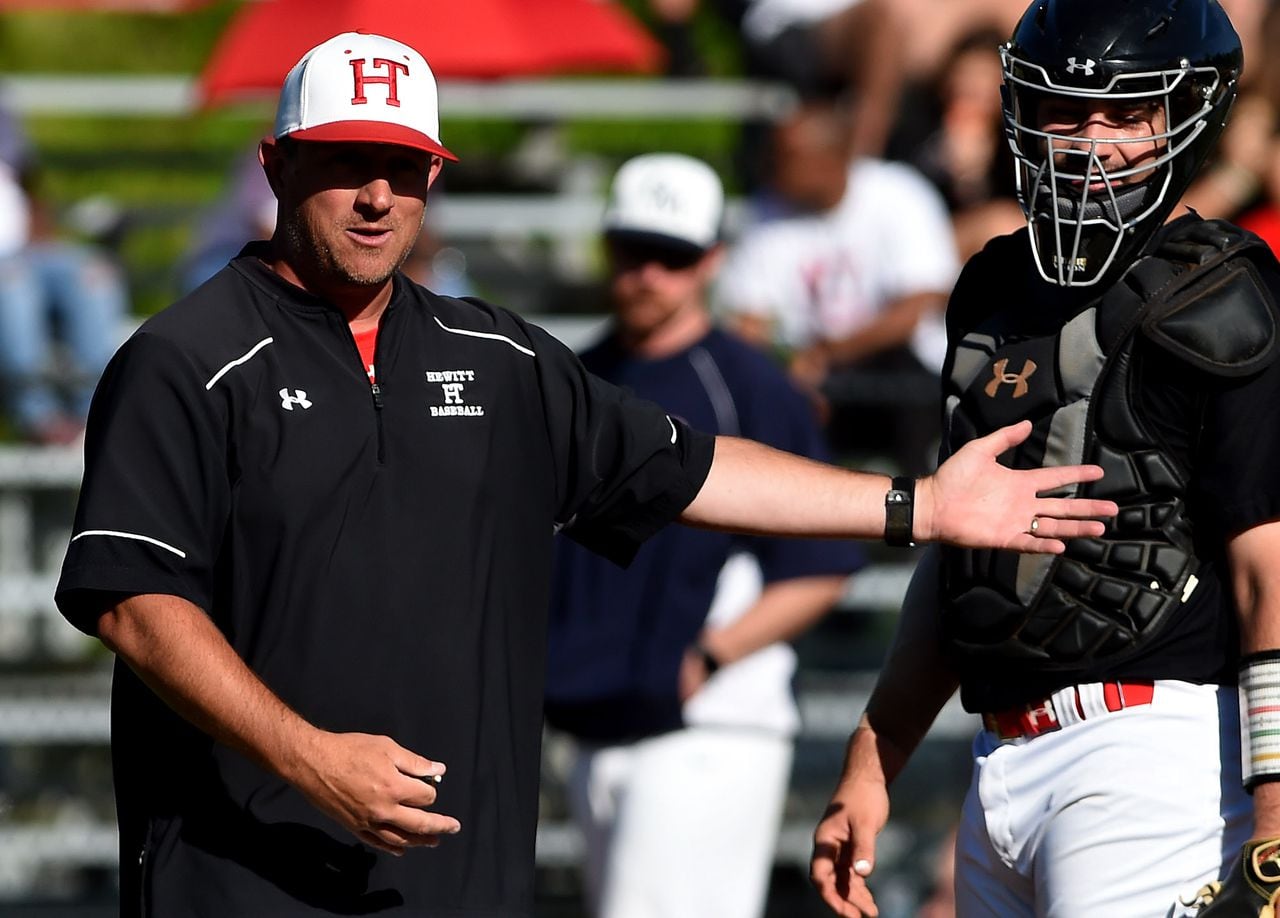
x: 1260, y: 718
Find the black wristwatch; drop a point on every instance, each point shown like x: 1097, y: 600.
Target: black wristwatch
x: 899, y: 512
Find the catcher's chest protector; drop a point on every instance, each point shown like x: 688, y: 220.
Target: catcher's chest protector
x: 1200, y: 298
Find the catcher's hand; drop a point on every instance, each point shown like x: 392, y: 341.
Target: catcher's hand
x: 1252, y: 888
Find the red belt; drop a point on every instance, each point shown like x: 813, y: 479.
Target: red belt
x: 1041, y: 716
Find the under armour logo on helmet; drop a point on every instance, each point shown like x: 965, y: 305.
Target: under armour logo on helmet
x: 1087, y: 66
x: 298, y: 398
x: 1000, y: 377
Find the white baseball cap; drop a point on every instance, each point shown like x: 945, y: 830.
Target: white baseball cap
x: 666, y: 199
x: 360, y: 87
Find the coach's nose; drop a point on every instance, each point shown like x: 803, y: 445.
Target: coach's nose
x: 375, y: 196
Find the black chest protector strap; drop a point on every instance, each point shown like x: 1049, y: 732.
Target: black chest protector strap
x: 1200, y: 297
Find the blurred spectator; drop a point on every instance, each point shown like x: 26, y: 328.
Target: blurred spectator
x: 932, y: 29
x: 674, y: 25
x: 820, y: 47
x: 1249, y: 17
x: 1235, y: 182
x: 855, y: 277
x: 671, y: 675
x: 964, y: 153
x: 62, y: 306
x: 1264, y: 217
x: 245, y: 213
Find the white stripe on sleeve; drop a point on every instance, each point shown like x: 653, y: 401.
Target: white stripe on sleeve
x: 477, y: 334
x: 239, y: 360
x: 130, y: 535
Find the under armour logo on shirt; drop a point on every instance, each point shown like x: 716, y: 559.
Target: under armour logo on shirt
x: 298, y: 398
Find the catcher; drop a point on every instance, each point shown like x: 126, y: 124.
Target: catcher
x: 1108, y: 775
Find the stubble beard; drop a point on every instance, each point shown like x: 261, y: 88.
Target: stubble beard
x: 311, y: 249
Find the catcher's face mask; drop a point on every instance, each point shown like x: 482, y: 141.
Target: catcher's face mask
x: 1094, y: 167
x: 1110, y: 108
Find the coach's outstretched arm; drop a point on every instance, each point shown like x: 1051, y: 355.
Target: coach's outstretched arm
x: 972, y: 500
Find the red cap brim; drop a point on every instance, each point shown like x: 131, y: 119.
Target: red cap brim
x: 372, y: 132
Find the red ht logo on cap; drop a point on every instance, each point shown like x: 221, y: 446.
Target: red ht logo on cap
x: 357, y: 68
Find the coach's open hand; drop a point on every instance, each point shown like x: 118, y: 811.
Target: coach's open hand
x: 972, y: 500
x: 975, y: 501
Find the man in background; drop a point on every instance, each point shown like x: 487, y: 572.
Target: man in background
x: 672, y: 675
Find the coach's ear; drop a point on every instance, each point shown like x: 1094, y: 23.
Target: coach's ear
x: 272, y: 158
x: 433, y: 171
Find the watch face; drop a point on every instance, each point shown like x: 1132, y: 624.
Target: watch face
x: 897, y: 517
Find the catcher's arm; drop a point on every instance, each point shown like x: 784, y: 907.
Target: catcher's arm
x: 912, y: 687
x: 1256, y: 584
x: 1251, y: 887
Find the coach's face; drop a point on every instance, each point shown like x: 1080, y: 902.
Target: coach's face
x: 349, y: 212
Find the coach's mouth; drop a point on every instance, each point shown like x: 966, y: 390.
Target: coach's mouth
x: 372, y: 236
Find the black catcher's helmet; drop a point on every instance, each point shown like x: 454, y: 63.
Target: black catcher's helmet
x: 1179, y: 55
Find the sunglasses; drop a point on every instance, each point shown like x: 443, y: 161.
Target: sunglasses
x: 632, y: 254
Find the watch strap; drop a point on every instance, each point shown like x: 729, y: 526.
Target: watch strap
x: 709, y: 659
x: 899, y: 512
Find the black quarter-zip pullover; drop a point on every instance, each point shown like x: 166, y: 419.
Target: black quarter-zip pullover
x: 379, y: 557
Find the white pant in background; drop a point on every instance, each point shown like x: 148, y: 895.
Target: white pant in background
x: 683, y: 825
x: 1113, y: 817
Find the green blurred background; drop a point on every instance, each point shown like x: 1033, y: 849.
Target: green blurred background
x: 161, y: 171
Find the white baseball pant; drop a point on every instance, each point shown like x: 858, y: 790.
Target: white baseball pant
x: 682, y: 825
x: 1115, y: 816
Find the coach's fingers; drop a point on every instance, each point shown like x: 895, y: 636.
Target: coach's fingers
x: 410, y: 828
x: 415, y: 791
x: 998, y: 441
x: 1077, y: 510
x: 415, y: 823
x: 1034, y: 545
x: 419, y: 766
x: 1052, y: 477
x: 404, y: 840
x: 374, y: 839
x: 1046, y: 527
